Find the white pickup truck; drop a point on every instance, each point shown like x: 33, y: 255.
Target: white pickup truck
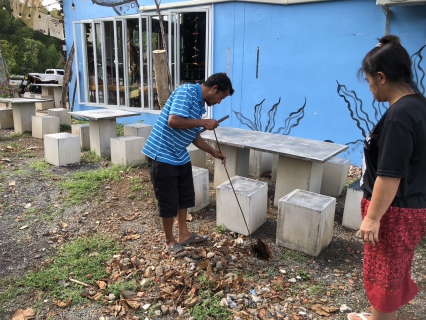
x: 55, y: 76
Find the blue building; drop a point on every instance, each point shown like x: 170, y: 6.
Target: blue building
x: 293, y: 63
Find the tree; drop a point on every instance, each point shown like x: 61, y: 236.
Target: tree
x: 9, y: 53
x: 33, y: 48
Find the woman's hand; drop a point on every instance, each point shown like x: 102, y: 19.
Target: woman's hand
x: 219, y: 155
x: 369, y: 231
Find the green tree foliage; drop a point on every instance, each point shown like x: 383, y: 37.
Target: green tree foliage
x: 26, y: 48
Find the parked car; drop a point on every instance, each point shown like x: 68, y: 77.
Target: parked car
x: 53, y: 76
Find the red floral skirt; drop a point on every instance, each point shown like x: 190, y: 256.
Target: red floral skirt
x: 387, y: 265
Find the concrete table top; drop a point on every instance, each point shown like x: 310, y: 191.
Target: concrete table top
x: 22, y: 100
x: 299, y: 148
x: 103, y: 114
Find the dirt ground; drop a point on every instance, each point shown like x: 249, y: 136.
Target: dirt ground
x: 276, y: 289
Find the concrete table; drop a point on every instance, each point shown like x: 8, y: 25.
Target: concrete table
x: 300, y: 162
x: 102, y: 127
x: 50, y: 89
x: 23, y: 111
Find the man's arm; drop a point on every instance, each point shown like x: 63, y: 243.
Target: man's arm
x: 202, y: 145
x: 177, y: 122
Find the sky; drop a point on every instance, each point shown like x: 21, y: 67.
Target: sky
x: 51, y: 4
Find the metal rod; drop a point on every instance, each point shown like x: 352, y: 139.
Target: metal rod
x: 220, y: 120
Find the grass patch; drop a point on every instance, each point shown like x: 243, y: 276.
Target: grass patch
x: 221, y: 229
x: 90, y: 157
x: 76, y: 259
x: 14, y: 136
x: 40, y: 165
x: 64, y: 128
x: 290, y: 256
x: 82, y: 186
x: 209, y: 308
x: 135, y: 184
x: 120, y: 129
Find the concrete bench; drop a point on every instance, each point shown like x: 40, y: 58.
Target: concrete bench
x: 253, y: 198
x: 259, y: 163
x: 62, y: 114
x: 82, y: 130
x: 305, y: 221
x: 137, y: 130
x: 62, y: 148
x: 198, y: 156
x: 42, y: 125
x: 6, y: 118
x: 352, y: 211
x: 334, y: 176
x: 201, y: 187
x: 127, y: 150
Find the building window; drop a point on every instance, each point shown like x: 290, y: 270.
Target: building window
x: 114, y: 60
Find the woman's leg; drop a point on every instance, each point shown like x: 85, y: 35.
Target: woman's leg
x: 377, y: 315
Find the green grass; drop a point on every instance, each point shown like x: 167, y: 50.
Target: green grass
x: 90, y: 157
x: 120, y: 129
x: 40, y: 165
x: 82, y: 186
x: 290, y: 256
x: 76, y: 259
x: 64, y: 128
x: 135, y: 184
x: 14, y: 136
x: 221, y: 229
x: 209, y: 308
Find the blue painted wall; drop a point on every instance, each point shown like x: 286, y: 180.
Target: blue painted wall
x: 305, y: 52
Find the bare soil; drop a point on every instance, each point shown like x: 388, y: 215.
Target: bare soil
x: 28, y: 238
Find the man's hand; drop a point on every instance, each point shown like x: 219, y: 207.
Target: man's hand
x: 219, y: 155
x: 210, y: 124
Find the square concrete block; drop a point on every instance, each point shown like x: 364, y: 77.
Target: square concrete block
x: 352, y: 211
x: 137, y: 130
x: 259, y: 163
x: 127, y: 150
x: 198, y: 156
x: 305, y: 221
x: 62, y: 114
x: 6, y: 118
x: 61, y: 148
x: 334, y: 176
x: 82, y: 130
x: 253, y: 198
x: 44, y: 105
x: 201, y: 187
x: 44, y: 125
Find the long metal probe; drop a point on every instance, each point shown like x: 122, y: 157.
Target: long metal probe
x: 226, y: 170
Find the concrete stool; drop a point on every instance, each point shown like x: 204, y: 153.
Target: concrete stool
x: 352, y: 211
x: 334, y: 176
x: 44, y: 125
x: 62, y: 113
x: 259, y: 163
x: 201, y: 187
x: 61, y: 148
x: 6, y: 118
x: 305, y: 221
x: 127, y: 150
x: 137, y: 130
x: 275, y: 159
x: 253, y: 198
x: 198, y: 156
x: 82, y: 130
x: 44, y: 105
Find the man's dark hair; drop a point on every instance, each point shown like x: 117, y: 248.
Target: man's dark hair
x: 221, y: 80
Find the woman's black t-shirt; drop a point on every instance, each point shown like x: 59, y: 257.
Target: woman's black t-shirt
x: 396, y: 147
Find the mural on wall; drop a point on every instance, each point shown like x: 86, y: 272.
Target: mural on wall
x: 122, y: 7
x: 359, y: 114
x: 290, y: 122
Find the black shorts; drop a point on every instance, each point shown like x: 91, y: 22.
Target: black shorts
x: 173, y: 187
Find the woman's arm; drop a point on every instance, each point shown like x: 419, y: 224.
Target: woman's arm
x: 384, y: 192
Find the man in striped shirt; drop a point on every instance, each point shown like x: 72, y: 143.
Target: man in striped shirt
x: 168, y: 159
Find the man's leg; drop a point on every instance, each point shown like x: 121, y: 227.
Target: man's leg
x: 184, y: 233
x: 168, y: 231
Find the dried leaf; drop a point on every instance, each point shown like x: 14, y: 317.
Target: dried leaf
x: 63, y: 224
x: 23, y: 314
x: 188, y: 217
x: 202, y: 265
x: 95, y: 297
x: 6, y: 160
x: 262, y: 314
x: 131, y: 218
x: 132, y: 237
x: 23, y: 227
x: 133, y: 304
x: 101, y: 284
x: 191, y: 302
x: 62, y: 304
x: 12, y: 184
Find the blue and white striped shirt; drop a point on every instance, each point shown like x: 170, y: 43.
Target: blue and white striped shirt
x: 166, y: 144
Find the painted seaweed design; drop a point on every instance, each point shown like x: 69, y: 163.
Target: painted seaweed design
x: 419, y: 73
x: 292, y: 120
x: 356, y: 110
